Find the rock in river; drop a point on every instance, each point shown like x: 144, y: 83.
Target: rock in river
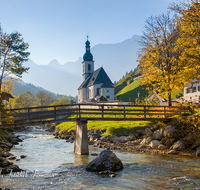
x: 106, y: 160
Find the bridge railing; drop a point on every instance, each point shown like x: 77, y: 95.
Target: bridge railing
x: 98, y: 111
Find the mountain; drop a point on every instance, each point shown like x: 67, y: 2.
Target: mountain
x: 21, y: 87
x: 116, y: 60
x: 53, y: 77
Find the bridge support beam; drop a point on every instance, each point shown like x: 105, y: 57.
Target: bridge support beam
x: 81, y: 141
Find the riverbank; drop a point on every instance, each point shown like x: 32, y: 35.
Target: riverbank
x: 7, y: 140
x: 180, y: 136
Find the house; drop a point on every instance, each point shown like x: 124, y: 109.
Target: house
x: 192, y: 93
x: 96, y: 85
x: 5, y: 96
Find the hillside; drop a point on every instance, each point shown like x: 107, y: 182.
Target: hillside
x: 21, y: 87
x: 130, y: 92
x: 128, y: 79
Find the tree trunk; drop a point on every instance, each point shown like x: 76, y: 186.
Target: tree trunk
x: 4, y: 63
x: 169, y: 99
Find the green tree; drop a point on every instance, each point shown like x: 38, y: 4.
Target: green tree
x: 25, y: 100
x: 12, y: 55
x: 63, y: 101
x: 43, y: 99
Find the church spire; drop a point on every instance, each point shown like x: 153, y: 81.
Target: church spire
x: 87, y: 56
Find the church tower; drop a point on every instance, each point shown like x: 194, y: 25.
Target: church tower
x: 88, y: 63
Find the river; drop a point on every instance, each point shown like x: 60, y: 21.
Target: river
x: 52, y: 164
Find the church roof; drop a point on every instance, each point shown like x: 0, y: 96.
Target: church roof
x: 97, y: 77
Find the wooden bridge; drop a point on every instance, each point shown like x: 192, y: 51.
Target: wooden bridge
x: 81, y: 113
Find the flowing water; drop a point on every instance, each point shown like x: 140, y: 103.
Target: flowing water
x: 52, y: 164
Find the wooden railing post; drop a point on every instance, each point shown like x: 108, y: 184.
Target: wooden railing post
x: 124, y: 112
x: 164, y: 112
x: 0, y: 117
x: 145, y: 113
x: 102, y: 111
x: 28, y: 115
x: 55, y: 113
x: 79, y: 111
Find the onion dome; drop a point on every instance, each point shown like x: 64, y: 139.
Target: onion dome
x: 87, y: 56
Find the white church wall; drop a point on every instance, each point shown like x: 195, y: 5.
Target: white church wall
x: 97, y: 86
x: 110, y: 93
x: 84, y: 95
x: 80, y: 96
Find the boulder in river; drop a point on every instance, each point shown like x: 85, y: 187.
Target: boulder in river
x: 106, y: 160
x: 22, y: 156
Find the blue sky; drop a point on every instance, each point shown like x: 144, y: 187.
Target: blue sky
x: 57, y: 29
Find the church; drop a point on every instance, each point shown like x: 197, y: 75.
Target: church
x: 96, y: 85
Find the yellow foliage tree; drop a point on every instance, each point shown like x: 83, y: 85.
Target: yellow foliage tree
x: 189, y: 40
x: 159, y: 58
x: 7, y: 86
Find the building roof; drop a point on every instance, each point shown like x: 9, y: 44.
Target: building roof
x: 97, y: 77
x: 6, y: 96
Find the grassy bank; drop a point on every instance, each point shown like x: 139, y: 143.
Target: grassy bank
x: 112, y: 127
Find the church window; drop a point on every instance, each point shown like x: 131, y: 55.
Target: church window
x: 89, y: 67
x: 107, y: 96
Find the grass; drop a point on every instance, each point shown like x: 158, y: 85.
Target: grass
x: 130, y: 92
x: 112, y: 127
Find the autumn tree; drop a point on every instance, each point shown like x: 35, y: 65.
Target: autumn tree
x: 159, y: 57
x: 25, y: 100
x: 189, y: 38
x: 43, y: 99
x: 12, y: 55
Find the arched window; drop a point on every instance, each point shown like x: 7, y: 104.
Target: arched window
x: 89, y: 67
